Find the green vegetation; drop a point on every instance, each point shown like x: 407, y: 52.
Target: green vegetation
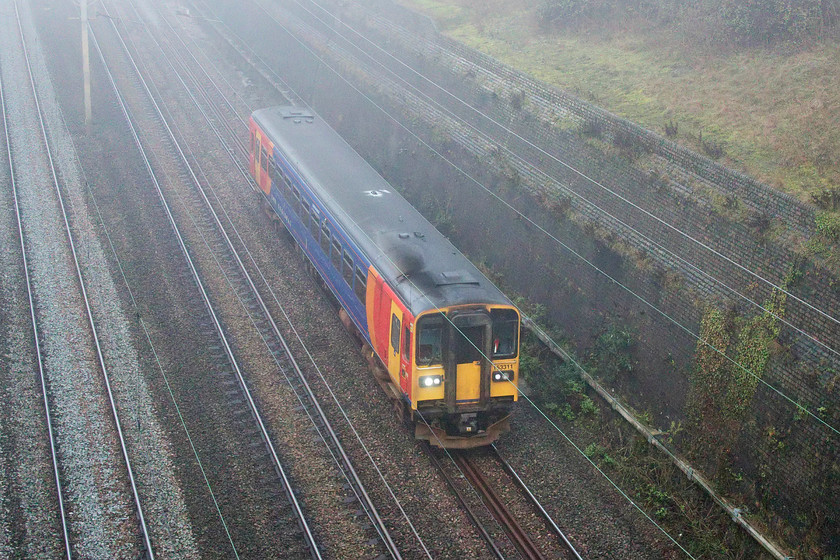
x: 753, y: 82
x: 731, y: 358
x: 664, y: 492
x: 612, y: 354
x: 722, y: 21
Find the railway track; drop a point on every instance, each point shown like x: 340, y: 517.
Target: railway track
x: 490, y: 512
x: 71, y: 537
x: 233, y: 259
x: 227, y: 364
x: 62, y: 511
x: 520, y: 538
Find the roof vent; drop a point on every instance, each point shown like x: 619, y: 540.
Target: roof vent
x: 456, y: 278
x: 377, y: 193
x: 297, y: 116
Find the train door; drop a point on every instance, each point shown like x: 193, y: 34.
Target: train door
x: 469, y: 348
x: 258, y: 166
x: 394, y: 360
x: 405, y: 357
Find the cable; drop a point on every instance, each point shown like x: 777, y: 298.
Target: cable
x: 554, y: 238
x: 138, y: 144
x: 544, y: 175
x: 399, y: 505
x: 564, y: 164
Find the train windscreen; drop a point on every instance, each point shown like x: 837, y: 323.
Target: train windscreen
x: 505, y: 333
x: 430, y: 329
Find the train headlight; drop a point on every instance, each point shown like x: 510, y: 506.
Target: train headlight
x: 503, y: 375
x: 431, y: 380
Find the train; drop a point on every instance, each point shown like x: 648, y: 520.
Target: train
x: 441, y: 338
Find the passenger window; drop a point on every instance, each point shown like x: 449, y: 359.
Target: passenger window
x: 336, y: 254
x: 275, y: 174
x: 360, y: 287
x: 347, y: 269
x: 304, y: 213
x: 407, y: 342
x: 395, y: 333
x: 264, y: 161
x: 295, y: 201
x: 315, y: 222
x: 325, y: 238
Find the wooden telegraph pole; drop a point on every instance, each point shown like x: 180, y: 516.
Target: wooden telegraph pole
x: 83, y: 4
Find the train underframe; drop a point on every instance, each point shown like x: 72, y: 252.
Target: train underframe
x: 464, y: 428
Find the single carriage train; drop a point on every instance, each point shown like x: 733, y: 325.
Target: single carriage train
x: 446, y: 336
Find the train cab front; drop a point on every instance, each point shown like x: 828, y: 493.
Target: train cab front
x: 467, y: 368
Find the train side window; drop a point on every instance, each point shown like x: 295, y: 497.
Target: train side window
x: 407, y: 341
x: 336, y: 253
x: 325, y: 238
x: 264, y: 156
x: 347, y: 269
x: 295, y: 201
x: 505, y: 333
x: 395, y: 333
x: 275, y: 173
x: 304, y: 213
x: 360, y: 287
x: 287, y: 187
x: 253, y: 141
x: 315, y: 222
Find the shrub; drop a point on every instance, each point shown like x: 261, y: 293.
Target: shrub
x: 737, y: 21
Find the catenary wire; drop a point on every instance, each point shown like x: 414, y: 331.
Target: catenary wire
x: 311, y: 358
x: 577, y: 171
x: 138, y: 144
x: 554, y: 425
x: 574, y: 193
x: 685, y: 329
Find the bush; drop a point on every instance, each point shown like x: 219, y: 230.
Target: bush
x: 769, y: 20
x: 737, y: 21
x: 613, y: 352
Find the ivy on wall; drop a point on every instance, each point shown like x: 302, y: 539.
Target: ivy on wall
x: 732, y: 356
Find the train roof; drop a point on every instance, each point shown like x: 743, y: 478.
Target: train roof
x: 415, y: 259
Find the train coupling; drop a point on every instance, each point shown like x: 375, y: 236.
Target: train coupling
x: 467, y: 424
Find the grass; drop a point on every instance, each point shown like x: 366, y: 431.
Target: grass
x: 775, y: 111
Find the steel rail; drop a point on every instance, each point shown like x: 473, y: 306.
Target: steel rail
x: 31, y: 302
x: 286, y: 483
x: 346, y: 464
x: 533, y: 499
x: 141, y: 518
x: 460, y: 497
x: 519, y: 537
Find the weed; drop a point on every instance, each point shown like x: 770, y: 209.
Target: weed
x: 671, y: 129
x: 592, y: 128
x: 711, y: 148
x: 517, y: 100
x: 759, y: 222
x: 587, y: 406
x: 827, y: 198
x: 612, y: 353
x: 828, y: 226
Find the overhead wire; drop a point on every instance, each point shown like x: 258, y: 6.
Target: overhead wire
x: 480, y: 350
x: 540, y: 228
x: 366, y: 450
x: 568, y: 166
